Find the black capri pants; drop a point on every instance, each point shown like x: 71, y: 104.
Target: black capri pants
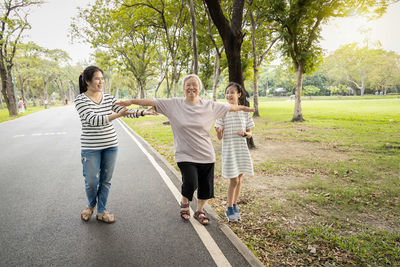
x: 197, y: 176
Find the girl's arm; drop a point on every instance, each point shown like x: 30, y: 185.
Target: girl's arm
x: 220, y: 132
x: 140, y: 102
x: 247, y: 133
x: 241, y: 108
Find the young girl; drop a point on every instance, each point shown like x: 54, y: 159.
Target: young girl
x: 233, y: 129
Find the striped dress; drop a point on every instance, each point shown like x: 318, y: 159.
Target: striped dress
x: 236, y: 157
x: 97, y: 131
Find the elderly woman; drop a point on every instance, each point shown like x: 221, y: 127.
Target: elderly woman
x: 191, y: 119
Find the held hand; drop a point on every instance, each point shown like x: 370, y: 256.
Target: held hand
x: 249, y: 109
x: 241, y: 133
x: 150, y: 111
x: 125, y: 103
x: 219, y: 130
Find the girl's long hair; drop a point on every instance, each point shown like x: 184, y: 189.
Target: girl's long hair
x: 86, y: 76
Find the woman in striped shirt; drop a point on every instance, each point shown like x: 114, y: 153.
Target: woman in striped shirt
x: 99, y: 141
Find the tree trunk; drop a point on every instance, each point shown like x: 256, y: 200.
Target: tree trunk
x: 1, y: 102
x: 174, y: 85
x: 255, y: 69
x: 62, y: 95
x: 194, y: 38
x: 298, y: 115
x: 142, y: 90
x: 8, y: 92
x: 45, y: 93
x: 217, y: 74
x: 168, y: 86
x: 232, y: 38
x: 362, y: 89
x: 255, y: 92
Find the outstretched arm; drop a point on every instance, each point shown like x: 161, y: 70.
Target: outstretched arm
x: 140, y: 102
x: 241, y: 108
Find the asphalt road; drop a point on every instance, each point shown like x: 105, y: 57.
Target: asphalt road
x: 42, y: 194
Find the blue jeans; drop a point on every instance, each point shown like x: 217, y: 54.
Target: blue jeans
x: 98, y: 168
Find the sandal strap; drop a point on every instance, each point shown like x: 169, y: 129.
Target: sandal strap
x: 201, y: 219
x: 105, y: 216
x: 184, y: 205
x: 87, y: 211
x: 183, y: 212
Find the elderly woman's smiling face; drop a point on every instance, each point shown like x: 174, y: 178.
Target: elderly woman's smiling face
x: 192, y: 88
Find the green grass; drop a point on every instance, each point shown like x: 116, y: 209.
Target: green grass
x: 346, y: 206
x: 4, y: 115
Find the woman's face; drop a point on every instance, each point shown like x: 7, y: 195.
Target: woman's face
x: 232, y: 95
x: 97, y: 82
x: 192, y: 88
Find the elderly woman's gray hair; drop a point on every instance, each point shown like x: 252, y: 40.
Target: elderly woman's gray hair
x: 187, y: 77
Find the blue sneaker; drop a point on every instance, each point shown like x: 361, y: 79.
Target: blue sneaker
x: 236, y: 211
x: 230, y: 214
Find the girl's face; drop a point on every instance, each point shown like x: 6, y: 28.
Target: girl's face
x: 192, y: 88
x: 232, y: 95
x: 97, y: 82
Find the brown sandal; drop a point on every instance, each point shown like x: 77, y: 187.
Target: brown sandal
x: 105, y: 217
x: 201, y: 217
x: 87, y: 213
x: 185, y: 210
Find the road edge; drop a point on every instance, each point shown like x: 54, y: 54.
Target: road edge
x: 233, y: 238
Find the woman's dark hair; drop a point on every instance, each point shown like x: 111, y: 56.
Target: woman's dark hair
x: 86, y: 76
x: 239, y: 89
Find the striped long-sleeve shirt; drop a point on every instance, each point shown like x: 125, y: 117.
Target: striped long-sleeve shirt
x: 97, y: 131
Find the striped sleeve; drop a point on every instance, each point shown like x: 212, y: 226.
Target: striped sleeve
x: 250, y: 122
x: 87, y: 114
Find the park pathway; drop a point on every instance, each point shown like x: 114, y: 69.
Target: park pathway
x: 42, y: 194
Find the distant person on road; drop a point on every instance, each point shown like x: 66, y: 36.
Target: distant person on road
x: 233, y: 129
x: 21, y: 107
x: 191, y: 119
x: 99, y: 142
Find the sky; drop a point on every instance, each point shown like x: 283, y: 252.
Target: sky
x: 51, y: 24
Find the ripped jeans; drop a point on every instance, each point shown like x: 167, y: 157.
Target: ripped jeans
x: 98, y: 168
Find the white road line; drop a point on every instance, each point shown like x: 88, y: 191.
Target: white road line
x: 212, y: 247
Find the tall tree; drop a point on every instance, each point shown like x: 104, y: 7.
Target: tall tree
x: 232, y: 38
x: 262, y: 40
x: 351, y: 65
x: 170, y: 18
x: 13, y: 22
x: 195, y: 62
x: 231, y: 35
x: 210, y: 51
x: 299, y: 25
x: 120, y: 31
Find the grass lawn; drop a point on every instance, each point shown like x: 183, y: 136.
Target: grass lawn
x: 4, y: 115
x: 325, y: 191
